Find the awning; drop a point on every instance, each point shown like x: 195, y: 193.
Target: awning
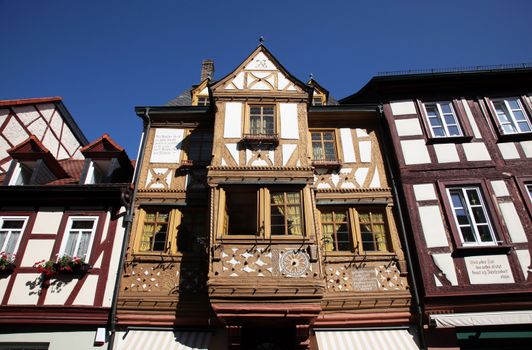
x: 397, y: 339
x: 164, y: 339
x: 482, y: 319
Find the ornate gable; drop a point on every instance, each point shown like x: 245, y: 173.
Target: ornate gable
x: 260, y: 73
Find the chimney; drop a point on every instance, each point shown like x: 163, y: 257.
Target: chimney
x: 207, y: 69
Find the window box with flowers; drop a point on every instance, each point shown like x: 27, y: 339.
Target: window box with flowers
x: 7, y: 263
x: 65, y: 265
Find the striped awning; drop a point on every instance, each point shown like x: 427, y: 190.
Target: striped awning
x: 395, y: 339
x: 167, y: 340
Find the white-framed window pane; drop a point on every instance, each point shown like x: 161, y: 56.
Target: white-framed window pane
x: 511, y: 116
x: 80, y: 235
x: 11, y: 229
x: 529, y: 189
x: 471, y: 216
x: 442, y: 119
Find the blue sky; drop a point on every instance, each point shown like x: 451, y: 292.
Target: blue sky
x: 105, y: 57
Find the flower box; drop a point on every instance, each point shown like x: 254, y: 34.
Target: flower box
x: 7, y: 263
x: 65, y: 265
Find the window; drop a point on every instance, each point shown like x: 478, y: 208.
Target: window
x: 323, y: 145
x: 261, y: 119
x: 199, y: 148
x: 241, y: 211
x: 11, y: 229
x: 511, y: 116
x: 286, y: 213
x: 442, y: 119
x: 470, y: 216
x: 372, y: 230
x: 203, y: 100
x: 22, y: 173
x: 79, y: 236
x: 155, y: 231
x: 367, y: 227
x: 335, y: 230
x: 529, y: 190
x: 317, y: 101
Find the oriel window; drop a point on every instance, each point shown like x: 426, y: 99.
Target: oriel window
x: 286, y: 213
x: 372, y: 230
x: 335, y: 230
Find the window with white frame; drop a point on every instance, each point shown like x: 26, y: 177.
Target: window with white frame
x: 442, y: 119
x: 79, y: 236
x: 11, y: 229
x: 511, y: 116
x: 471, y: 216
x: 529, y: 190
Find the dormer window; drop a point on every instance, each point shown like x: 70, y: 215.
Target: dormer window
x: 97, y: 172
x: 317, y: 101
x: 203, y: 101
x: 22, y: 174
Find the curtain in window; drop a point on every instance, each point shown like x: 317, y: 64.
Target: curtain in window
x: 327, y: 231
x: 147, y: 233
x: 71, y: 244
x: 372, y: 224
x: 292, y: 208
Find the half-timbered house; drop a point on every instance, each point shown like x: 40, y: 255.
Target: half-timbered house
x: 264, y: 219
x: 462, y: 143
x: 61, y: 235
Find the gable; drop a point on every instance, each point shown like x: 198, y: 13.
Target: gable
x: 260, y: 72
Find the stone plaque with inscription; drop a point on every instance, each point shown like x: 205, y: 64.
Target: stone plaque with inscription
x: 167, y: 146
x: 365, y: 280
x: 487, y: 269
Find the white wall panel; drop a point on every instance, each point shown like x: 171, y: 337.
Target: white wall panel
x: 365, y: 151
x: 88, y: 291
x: 513, y: 223
x: 59, y: 291
x: 36, y: 250
x: 476, y: 151
x: 289, y: 124
x: 424, y: 192
x: 432, y: 225
x: 233, y: 120
x: 523, y: 255
x: 48, y: 220
x: 288, y: 150
x: 527, y: 148
x: 347, y: 145
x: 499, y: 188
x: 403, y: 107
x: 508, y: 150
x: 167, y: 145
x: 26, y: 289
x: 415, y: 152
x: 445, y: 263
x: 408, y: 127
x: 446, y: 153
x: 471, y: 119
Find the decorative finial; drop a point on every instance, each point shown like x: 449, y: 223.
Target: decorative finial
x: 261, y: 40
x: 311, y: 76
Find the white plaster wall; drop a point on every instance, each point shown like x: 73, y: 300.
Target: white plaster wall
x: 288, y: 150
x: 26, y: 289
x: 523, y: 255
x: 403, y: 107
x: 51, y: 142
x: 115, y: 257
x: 445, y: 263
x: 424, y: 192
x: 471, y: 119
x: 365, y: 151
x: 3, y: 285
x: 499, y: 188
x: 347, y: 145
x: 47, y: 110
x: 26, y: 114
x: 36, y: 250
x: 239, y: 81
x: 4, y: 146
x: 446, y: 153
x: 361, y: 174
x: 60, y: 340
x: 232, y: 147
x: 361, y: 133
x: 408, y: 127
x: 476, y: 151
x: 376, y: 181
x: 71, y: 144
x: 415, y: 152
x: 432, y: 225
x: 289, y: 125
x: 508, y: 150
x: 527, y: 148
x: 479, y: 274
x: 260, y: 61
x: 513, y: 223
x: 167, y: 145
x: 233, y: 120
x: 88, y: 291
x: 59, y: 291
x: 14, y: 132
x: 48, y: 220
